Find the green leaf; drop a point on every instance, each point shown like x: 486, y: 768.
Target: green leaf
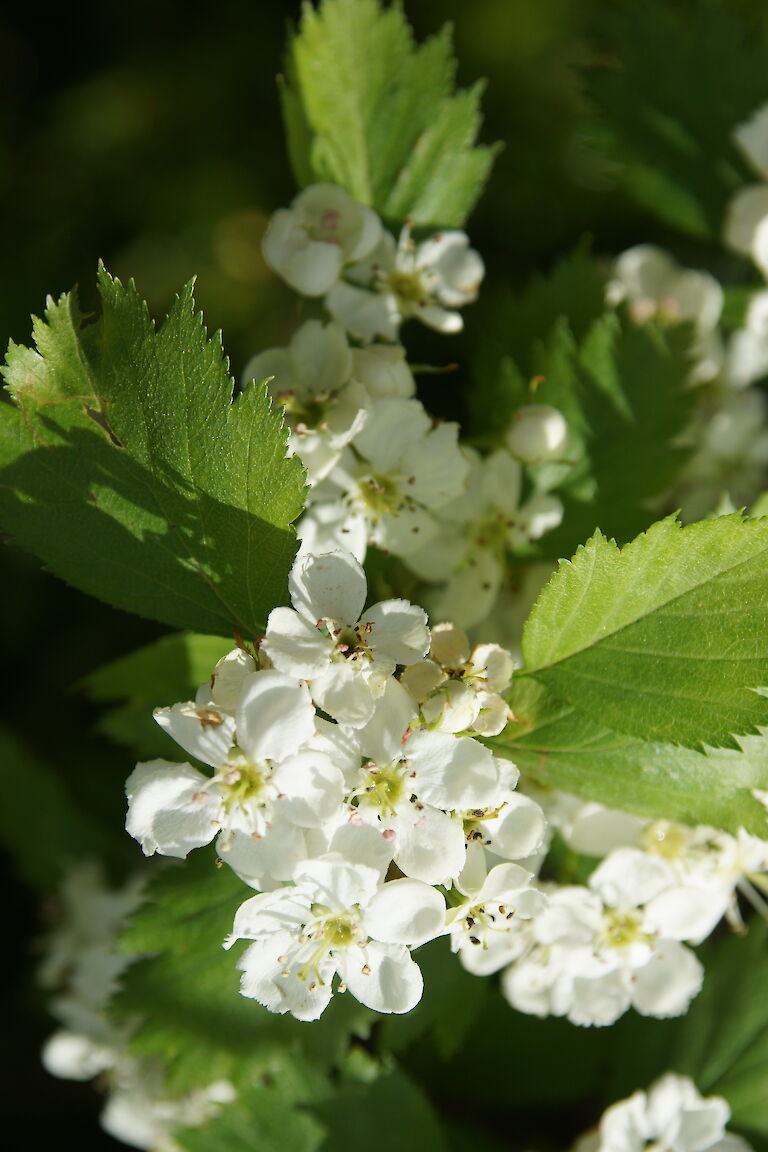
x: 127, y: 467
x: 186, y: 989
x: 164, y: 672
x: 670, y: 133
x: 665, y: 639
x: 516, y: 326
x: 367, y: 109
x: 556, y: 746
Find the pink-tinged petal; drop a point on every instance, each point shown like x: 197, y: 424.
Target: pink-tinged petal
x: 275, y: 717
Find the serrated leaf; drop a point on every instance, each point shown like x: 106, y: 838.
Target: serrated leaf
x: 674, y: 144
x: 367, y: 109
x: 665, y: 639
x: 516, y: 326
x: 164, y: 672
x: 186, y: 989
x: 127, y: 467
x: 556, y: 746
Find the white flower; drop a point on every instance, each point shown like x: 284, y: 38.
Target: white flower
x: 396, y: 473
x: 326, y: 637
x: 309, y: 243
x: 490, y: 927
x: 338, y: 919
x: 671, y: 1116
x: 467, y: 555
x: 654, y: 285
x: 748, y: 347
x: 428, y: 281
x: 383, y: 371
x: 312, y: 382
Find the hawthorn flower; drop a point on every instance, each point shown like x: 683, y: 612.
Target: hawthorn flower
x: 396, y: 281
x: 458, y: 688
x: 326, y: 637
x: 490, y: 926
x: 653, y: 285
x: 746, y: 222
x: 394, y: 475
x: 312, y: 383
x: 467, y: 555
x: 591, y: 961
x: 269, y: 784
x: 338, y: 919
x: 324, y: 229
x: 538, y: 432
x: 671, y: 1116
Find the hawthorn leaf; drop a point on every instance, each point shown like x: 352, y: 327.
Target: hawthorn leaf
x: 556, y: 746
x: 128, y: 468
x: 665, y: 639
x: 367, y: 109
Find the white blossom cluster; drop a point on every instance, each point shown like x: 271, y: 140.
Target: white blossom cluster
x: 671, y: 1116
x: 348, y: 787
x: 82, y: 967
x: 620, y: 940
x: 381, y: 471
x: 728, y: 434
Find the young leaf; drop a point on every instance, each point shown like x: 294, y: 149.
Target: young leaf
x: 164, y: 672
x: 665, y: 639
x: 127, y: 467
x: 557, y: 746
x: 186, y: 990
x: 367, y: 109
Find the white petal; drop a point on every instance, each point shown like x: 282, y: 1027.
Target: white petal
x: 405, y: 912
x: 344, y: 693
x: 309, y: 266
x: 321, y: 356
x: 205, y: 733
x: 276, y: 363
x: 312, y: 788
x: 366, y: 315
x: 436, y: 467
x: 452, y: 772
x: 294, y: 645
x: 283, y: 911
x: 172, y: 808
x: 339, y: 883
x: 519, y: 829
x: 72, y: 1056
x: 599, y: 1001
x: 365, y: 845
x: 748, y: 207
x: 229, y: 678
x: 629, y: 877
x: 275, y: 717
x: 330, y: 586
x: 384, y: 371
x: 669, y: 981
x: 687, y: 912
x: 752, y: 138
x: 428, y: 844
x: 399, y: 631
x: 381, y: 976
x: 394, y: 425
x: 259, y: 860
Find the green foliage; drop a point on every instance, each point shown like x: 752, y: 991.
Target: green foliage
x: 44, y: 828
x: 663, y: 639
x: 168, y: 670
x: 721, y: 1042
x: 185, y: 990
x: 556, y: 746
x: 668, y: 129
x: 264, y: 1117
x: 126, y: 466
x: 367, y: 109
x: 515, y: 330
